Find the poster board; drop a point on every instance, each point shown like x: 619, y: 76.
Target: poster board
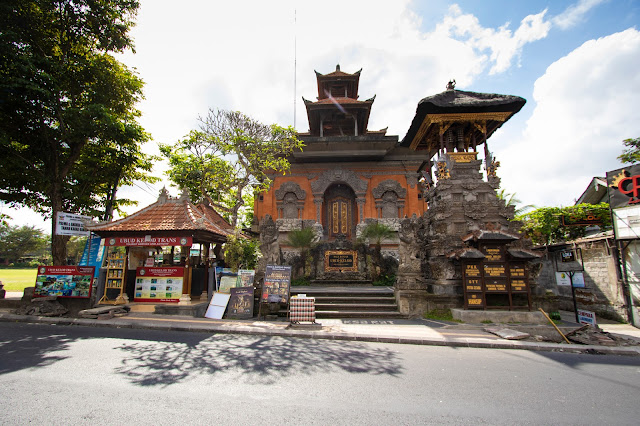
x: 245, y: 277
x: 64, y: 281
x: 217, y: 305
x: 159, y: 284
x: 221, y: 272
x: 94, y: 255
x: 277, y: 281
x: 241, y: 303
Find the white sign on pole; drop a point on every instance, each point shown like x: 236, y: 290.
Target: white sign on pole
x: 578, y: 280
x: 586, y: 317
x: 71, y: 224
x: 562, y: 278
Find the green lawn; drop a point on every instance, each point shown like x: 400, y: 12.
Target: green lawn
x: 18, y: 279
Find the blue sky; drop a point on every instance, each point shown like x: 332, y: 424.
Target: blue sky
x: 575, y: 62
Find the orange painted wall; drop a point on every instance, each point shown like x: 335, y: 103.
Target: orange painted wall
x: 300, y: 174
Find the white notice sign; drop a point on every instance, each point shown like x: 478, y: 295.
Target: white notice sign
x: 71, y: 224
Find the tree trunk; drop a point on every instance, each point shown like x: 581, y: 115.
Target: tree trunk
x: 58, y: 242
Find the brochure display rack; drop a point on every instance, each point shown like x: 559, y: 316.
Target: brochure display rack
x: 115, y: 282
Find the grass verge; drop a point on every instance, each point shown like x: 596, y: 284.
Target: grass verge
x: 18, y: 279
x: 441, y: 315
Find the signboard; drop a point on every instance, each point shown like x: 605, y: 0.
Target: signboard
x: 227, y: 282
x: 159, y: 284
x: 71, y: 224
x: 148, y: 241
x: 241, y: 303
x: 341, y: 260
x: 64, y: 281
x: 578, y: 280
x: 518, y: 285
x: 494, y: 270
x: 472, y: 270
x: 588, y: 220
x: 217, y: 305
x: 624, y: 186
x: 95, y: 256
x: 475, y: 300
x: 245, y: 277
x: 495, y: 285
x: 562, y: 278
x: 586, y: 317
x: 472, y: 284
x: 626, y: 222
x: 493, y: 254
x: 277, y: 280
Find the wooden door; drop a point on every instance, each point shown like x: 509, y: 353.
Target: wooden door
x: 340, y: 216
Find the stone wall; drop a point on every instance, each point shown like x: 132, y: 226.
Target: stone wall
x: 603, y: 292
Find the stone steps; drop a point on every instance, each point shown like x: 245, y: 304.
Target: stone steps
x: 333, y: 301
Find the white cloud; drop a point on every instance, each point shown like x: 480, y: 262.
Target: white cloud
x: 586, y: 104
x: 503, y: 44
x: 240, y: 55
x: 575, y: 13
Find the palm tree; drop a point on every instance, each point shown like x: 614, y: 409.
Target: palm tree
x: 302, y: 239
x: 376, y: 232
x: 511, y: 200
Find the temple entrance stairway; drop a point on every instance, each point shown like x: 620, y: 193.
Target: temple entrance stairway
x: 351, y: 300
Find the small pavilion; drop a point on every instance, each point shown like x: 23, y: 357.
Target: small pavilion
x: 168, y: 222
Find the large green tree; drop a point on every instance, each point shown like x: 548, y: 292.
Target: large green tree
x: 18, y: 241
x: 66, y: 105
x: 632, y: 152
x: 231, y: 156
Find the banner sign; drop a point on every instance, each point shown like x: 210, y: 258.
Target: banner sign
x: 71, y: 224
x: 159, y: 284
x: 624, y: 186
x: 148, y: 241
x: 96, y: 256
x: 64, y: 281
x: 277, y: 280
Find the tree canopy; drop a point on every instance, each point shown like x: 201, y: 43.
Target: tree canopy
x: 18, y: 241
x: 229, y: 157
x: 69, y: 134
x: 632, y: 153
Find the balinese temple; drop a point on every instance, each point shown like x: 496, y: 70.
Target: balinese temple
x: 345, y: 173
x: 154, y: 237
x: 431, y: 188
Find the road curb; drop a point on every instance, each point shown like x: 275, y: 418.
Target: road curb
x: 123, y: 322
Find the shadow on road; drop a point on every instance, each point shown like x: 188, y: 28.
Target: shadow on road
x: 261, y: 359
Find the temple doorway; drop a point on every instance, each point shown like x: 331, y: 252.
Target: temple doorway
x: 339, y: 217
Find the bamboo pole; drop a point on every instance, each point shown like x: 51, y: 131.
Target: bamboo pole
x: 554, y: 325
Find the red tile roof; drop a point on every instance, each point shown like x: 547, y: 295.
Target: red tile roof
x: 169, y: 214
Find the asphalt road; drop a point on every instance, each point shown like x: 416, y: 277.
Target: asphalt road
x: 75, y: 375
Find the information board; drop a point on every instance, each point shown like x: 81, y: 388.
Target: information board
x: 162, y: 284
x: 495, y: 270
x: 475, y: 300
x: 64, y: 281
x: 277, y: 280
x: 493, y: 253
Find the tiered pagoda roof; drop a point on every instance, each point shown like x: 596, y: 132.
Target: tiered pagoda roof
x: 338, y: 112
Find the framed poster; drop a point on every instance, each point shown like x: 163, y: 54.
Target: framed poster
x: 241, y: 303
x: 277, y: 280
x: 64, y: 281
x: 159, y: 284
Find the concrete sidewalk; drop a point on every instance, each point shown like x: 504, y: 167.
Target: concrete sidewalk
x: 417, y: 331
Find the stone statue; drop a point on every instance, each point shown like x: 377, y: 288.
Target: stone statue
x: 409, y: 246
x: 269, y: 246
